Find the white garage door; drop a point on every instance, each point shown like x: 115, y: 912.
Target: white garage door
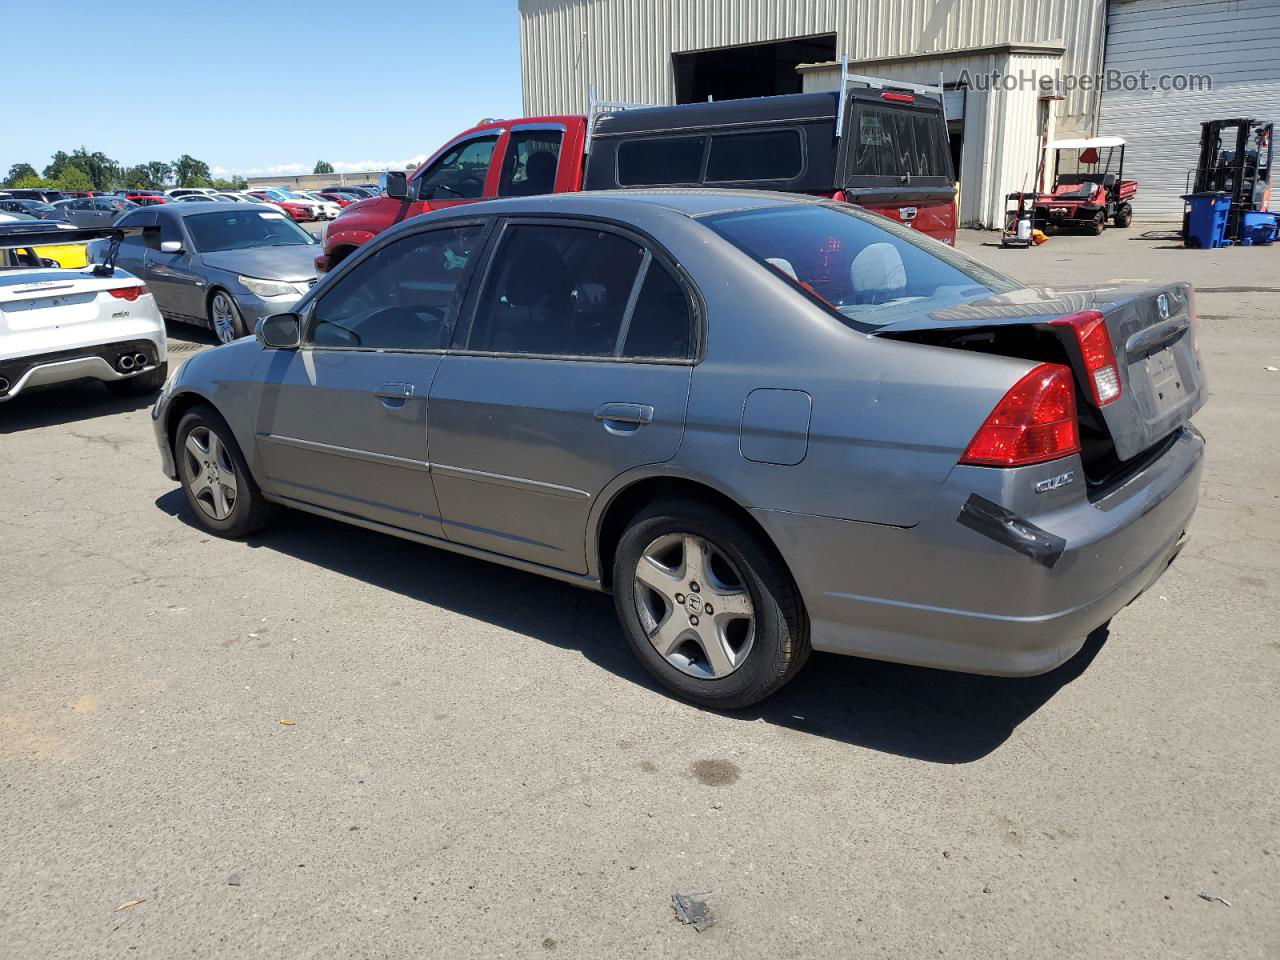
x: 1236, y: 42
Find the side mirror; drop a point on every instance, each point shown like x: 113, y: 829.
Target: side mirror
x: 394, y: 185
x: 170, y: 246
x: 280, y: 331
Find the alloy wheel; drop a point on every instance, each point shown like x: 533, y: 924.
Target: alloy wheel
x: 224, y: 317
x: 694, y: 606
x: 211, y: 474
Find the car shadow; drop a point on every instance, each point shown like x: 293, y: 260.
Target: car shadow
x: 63, y: 403
x: 931, y: 715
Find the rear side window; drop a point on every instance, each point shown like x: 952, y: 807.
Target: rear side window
x: 897, y: 143
x: 768, y: 155
x: 668, y: 160
x: 529, y: 168
x: 560, y: 291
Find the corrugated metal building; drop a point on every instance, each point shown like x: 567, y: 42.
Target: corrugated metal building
x: 678, y: 51
x: 1237, y: 42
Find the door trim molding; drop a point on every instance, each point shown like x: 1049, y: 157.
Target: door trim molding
x: 519, y: 483
x: 368, y: 456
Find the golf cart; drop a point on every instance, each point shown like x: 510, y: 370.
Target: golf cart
x: 1088, y: 187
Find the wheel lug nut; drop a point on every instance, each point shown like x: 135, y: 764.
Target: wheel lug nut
x: 694, y: 586
x: 693, y: 621
x: 679, y: 598
x: 707, y: 610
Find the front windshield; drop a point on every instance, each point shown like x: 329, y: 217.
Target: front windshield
x: 289, y: 195
x: 240, y: 229
x: 867, y: 269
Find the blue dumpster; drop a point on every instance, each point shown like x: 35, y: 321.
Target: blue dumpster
x: 1207, y: 223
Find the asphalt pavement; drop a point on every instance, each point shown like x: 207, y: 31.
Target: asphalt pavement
x: 323, y: 742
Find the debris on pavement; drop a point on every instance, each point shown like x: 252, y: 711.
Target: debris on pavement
x: 129, y: 903
x: 288, y: 723
x: 234, y: 879
x: 1213, y: 898
x: 1271, y: 369
x: 692, y: 909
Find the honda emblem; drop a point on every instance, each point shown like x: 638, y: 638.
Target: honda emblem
x: 907, y: 214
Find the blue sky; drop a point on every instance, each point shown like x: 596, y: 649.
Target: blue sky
x: 230, y: 82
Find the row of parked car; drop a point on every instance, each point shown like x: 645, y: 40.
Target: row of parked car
x: 96, y: 208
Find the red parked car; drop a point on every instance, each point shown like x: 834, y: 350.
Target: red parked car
x: 146, y: 198
x: 298, y: 212
x: 884, y: 146
x: 341, y: 199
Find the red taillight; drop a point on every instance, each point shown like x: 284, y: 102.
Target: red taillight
x: 1035, y: 422
x: 1090, y: 329
x: 128, y: 293
x: 898, y: 97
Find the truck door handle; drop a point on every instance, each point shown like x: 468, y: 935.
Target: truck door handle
x: 634, y: 415
x: 394, y: 394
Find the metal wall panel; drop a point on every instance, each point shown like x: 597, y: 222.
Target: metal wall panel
x: 1235, y: 41
x: 624, y: 47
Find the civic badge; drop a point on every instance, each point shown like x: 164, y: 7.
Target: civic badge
x: 1162, y: 306
x: 1054, y: 483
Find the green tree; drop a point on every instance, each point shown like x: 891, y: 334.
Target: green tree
x: 102, y: 170
x: 73, y: 179
x: 57, y: 163
x: 236, y: 182
x: 157, y: 173
x: 190, y: 172
x: 32, y: 182
x: 323, y: 166
x: 18, y: 172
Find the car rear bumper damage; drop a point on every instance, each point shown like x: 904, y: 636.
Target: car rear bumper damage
x: 992, y: 592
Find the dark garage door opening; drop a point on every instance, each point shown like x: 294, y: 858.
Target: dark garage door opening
x: 750, y: 70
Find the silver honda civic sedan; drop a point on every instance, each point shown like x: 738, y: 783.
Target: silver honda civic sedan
x: 766, y: 423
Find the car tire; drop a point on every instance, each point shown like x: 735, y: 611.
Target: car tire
x: 141, y: 385
x: 712, y: 655
x: 207, y: 457
x: 225, y: 319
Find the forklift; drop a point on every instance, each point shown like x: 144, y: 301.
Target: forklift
x: 1235, y: 159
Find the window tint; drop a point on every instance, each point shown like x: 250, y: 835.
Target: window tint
x: 894, y: 143
x: 242, y: 229
x: 660, y: 326
x: 460, y: 173
x: 653, y: 162
x: 170, y: 230
x: 530, y: 165
x: 404, y: 297
x: 557, y: 291
x: 865, y: 268
x: 768, y: 155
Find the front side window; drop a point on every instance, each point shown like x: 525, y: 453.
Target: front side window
x: 560, y: 291
x: 459, y: 174
x: 866, y: 269
x: 666, y: 160
x: 529, y: 167
x: 239, y: 229
x: 402, y: 297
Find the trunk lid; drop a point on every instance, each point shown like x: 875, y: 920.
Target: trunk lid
x: 53, y: 299
x: 1152, y: 331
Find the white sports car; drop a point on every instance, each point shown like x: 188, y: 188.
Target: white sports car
x: 58, y: 324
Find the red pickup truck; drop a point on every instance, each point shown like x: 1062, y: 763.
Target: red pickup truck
x: 885, y: 149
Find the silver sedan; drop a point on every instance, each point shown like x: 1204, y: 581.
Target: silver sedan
x: 767, y: 424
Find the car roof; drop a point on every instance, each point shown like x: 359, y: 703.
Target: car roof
x: 618, y: 204
x: 179, y: 210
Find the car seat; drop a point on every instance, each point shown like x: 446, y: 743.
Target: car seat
x: 878, y: 274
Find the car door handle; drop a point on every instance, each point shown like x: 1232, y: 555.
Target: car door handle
x: 633, y: 413
x: 394, y: 391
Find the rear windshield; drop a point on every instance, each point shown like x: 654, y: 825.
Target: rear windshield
x: 866, y: 269
x: 238, y: 229
x: 899, y: 142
